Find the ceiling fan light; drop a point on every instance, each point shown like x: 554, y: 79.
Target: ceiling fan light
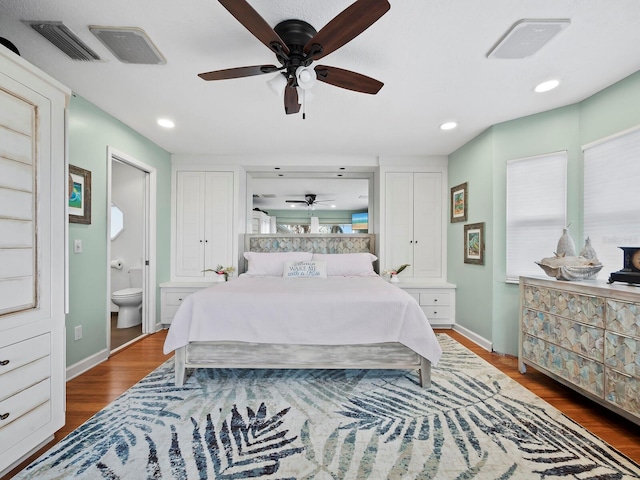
x: 306, y: 77
x: 277, y: 84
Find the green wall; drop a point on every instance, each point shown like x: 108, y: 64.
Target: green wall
x: 486, y: 304
x: 91, y: 130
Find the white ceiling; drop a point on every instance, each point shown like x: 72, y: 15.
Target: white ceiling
x: 431, y: 55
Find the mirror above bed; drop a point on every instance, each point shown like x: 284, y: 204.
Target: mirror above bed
x: 304, y: 202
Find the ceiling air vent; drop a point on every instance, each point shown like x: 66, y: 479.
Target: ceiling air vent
x: 63, y: 38
x: 526, y: 37
x: 129, y: 45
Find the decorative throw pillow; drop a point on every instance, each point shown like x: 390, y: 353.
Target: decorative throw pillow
x: 272, y: 264
x: 305, y: 269
x: 348, y: 264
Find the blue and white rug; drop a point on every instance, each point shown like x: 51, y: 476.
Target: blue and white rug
x: 474, y: 422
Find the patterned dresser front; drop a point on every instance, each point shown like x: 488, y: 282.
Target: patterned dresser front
x: 585, y: 335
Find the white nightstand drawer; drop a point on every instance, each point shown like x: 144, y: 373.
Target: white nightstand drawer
x: 435, y: 299
x: 433, y: 312
x: 173, y: 294
x: 177, y: 297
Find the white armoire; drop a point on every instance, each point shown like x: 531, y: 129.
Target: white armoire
x: 413, y: 219
x: 33, y: 196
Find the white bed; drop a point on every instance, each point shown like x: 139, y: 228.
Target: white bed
x: 264, y: 320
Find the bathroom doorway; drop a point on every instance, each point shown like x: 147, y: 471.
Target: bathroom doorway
x: 130, y: 246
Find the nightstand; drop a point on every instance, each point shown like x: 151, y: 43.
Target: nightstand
x: 172, y: 294
x: 437, y: 300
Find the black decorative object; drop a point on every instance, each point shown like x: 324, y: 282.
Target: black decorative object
x: 630, y: 272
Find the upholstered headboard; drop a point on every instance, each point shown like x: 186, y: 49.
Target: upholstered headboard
x: 315, y: 243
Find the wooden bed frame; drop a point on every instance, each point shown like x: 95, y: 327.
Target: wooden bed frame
x: 258, y: 355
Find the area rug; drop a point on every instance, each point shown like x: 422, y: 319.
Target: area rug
x: 474, y: 422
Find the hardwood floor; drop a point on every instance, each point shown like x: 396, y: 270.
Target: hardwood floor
x: 120, y: 336
x: 92, y: 391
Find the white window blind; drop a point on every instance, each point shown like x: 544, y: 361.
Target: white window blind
x: 536, y: 211
x: 611, y: 207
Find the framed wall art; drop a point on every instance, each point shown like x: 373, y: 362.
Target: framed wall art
x: 459, y: 202
x: 474, y: 243
x: 79, y: 195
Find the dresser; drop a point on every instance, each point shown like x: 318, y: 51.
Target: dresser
x: 585, y: 335
x: 33, y: 194
x: 437, y: 300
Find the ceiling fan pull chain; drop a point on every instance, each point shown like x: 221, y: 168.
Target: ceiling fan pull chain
x: 304, y: 104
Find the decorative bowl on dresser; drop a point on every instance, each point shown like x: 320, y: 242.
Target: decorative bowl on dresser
x: 585, y: 335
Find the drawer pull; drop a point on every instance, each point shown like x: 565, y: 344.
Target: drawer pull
x: 4, y: 362
x: 179, y: 299
x: 435, y: 300
x: 4, y: 416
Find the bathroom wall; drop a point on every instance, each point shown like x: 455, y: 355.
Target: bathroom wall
x: 127, y: 192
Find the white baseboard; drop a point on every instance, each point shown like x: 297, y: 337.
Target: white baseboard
x: 474, y: 337
x: 87, y: 364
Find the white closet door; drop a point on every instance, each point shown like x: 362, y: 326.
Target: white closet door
x: 218, y: 219
x: 427, y: 225
x: 399, y: 221
x: 190, y: 227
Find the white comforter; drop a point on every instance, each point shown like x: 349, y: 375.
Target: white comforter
x: 305, y: 311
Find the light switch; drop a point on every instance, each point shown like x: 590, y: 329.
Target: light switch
x: 77, y: 246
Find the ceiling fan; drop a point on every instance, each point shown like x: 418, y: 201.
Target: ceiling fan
x: 297, y: 45
x: 310, y: 200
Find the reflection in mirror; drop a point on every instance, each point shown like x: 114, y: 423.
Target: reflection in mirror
x: 117, y: 221
x: 292, y: 203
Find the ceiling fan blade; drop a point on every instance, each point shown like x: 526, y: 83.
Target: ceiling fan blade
x: 346, y: 26
x: 238, y: 72
x: 252, y: 21
x: 295, y: 201
x: 348, y: 79
x: 291, y: 104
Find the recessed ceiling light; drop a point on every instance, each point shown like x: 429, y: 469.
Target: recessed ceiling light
x: 293, y: 205
x: 546, y: 86
x: 166, y: 123
x: 333, y: 206
x: 448, y: 125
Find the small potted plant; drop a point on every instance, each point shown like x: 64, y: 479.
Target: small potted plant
x: 222, y: 273
x: 394, y: 273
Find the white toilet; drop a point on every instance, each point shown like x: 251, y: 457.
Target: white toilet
x: 129, y: 301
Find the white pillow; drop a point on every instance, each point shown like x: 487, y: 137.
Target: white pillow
x: 272, y: 264
x: 305, y: 269
x: 348, y: 264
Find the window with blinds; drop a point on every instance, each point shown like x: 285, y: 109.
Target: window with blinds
x: 611, y: 207
x: 536, y: 211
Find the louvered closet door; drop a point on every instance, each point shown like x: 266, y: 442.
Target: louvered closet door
x: 19, y: 212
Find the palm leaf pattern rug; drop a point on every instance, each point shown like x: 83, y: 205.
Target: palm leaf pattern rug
x: 474, y: 423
